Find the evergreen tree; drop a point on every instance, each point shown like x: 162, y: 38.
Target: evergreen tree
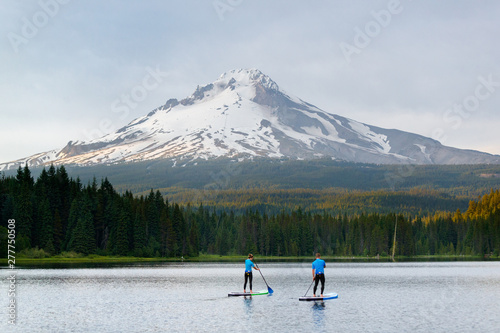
x: 23, y: 205
x: 178, y: 247
x: 82, y: 236
x: 46, y: 222
x: 58, y: 234
x: 122, y: 245
x: 140, y: 235
x: 194, y: 242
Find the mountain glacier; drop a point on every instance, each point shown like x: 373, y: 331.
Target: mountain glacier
x: 244, y: 114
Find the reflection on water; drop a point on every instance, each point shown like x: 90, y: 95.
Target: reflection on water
x: 192, y: 297
x: 247, y: 302
x: 318, y: 313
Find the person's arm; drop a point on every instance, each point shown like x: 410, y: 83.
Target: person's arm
x: 313, y: 273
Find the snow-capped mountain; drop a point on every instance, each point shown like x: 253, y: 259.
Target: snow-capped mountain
x: 244, y: 114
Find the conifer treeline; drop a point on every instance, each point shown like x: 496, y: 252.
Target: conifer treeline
x: 418, y: 201
x: 59, y: 214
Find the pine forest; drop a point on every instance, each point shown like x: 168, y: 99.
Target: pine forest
x: 56, y: 214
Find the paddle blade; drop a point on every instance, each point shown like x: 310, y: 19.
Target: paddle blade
x: 270, y: 290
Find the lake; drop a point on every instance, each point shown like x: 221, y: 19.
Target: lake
x: 192, y: 297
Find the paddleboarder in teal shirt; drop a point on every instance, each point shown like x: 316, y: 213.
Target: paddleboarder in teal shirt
x: 318, y: 270
x: 248, y: 272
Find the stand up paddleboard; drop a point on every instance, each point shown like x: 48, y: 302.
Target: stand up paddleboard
x: 319, y: 298
x: 262, y: 292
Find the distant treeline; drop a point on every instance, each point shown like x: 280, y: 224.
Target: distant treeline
x: 335, y: 201
x: 57, y: 213
x: 469, y: 181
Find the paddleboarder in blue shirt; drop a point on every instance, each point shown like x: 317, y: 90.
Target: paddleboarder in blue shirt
x: 248, y: 272
x: 318, y: 270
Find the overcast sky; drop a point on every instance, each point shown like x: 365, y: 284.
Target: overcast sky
x: 76, y: 70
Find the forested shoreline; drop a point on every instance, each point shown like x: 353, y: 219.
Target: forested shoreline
x: 57, y: 214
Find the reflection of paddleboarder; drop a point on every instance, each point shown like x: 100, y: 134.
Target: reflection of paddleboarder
x: 318, y: 270
x: 248, y: 272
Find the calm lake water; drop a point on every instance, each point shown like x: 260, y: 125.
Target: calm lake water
x: 192, y: 297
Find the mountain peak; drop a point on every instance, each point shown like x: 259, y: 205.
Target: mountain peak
x: 250, y: 76
x: 251, y: 83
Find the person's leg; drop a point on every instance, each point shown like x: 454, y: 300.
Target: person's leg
x: 316, y: 281
x: 245, y: 285
x: 250, y: 278
x: 322, y: 283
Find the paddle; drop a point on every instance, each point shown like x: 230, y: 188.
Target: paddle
x: 308, y: 288
x: 268, y: 288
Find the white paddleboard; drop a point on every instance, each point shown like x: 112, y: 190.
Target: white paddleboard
x: 319, y: 298
x: 262, y: 292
